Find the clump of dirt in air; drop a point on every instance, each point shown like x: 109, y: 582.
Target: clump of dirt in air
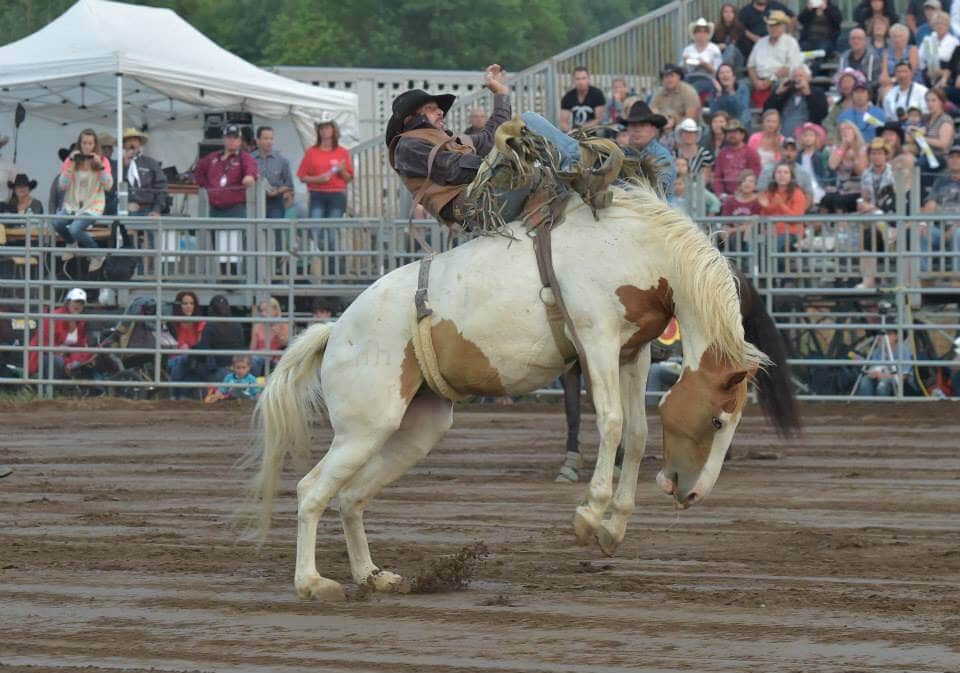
x: 452, y: 573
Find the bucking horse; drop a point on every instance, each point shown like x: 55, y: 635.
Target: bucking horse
x: 622, y: 272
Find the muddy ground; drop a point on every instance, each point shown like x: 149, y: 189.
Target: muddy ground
x: 837, y: 551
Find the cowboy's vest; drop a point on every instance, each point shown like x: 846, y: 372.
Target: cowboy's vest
x: 432, y: 196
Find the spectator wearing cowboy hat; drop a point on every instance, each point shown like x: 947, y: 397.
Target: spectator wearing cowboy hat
x: 643, y: 127
x: 701, y: 55
x: 753, y: 16
x: 22, y: 202
x: 734, y: 158
x: 901, y: 160
x: 773, y: 57
x: 675, y: 96
x: 146, y: 182
x: 107, y: 143
x: 7, y: 170
x: 699, y: 159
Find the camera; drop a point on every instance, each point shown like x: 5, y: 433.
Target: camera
x: 884, y: 307
x: 901, y: 113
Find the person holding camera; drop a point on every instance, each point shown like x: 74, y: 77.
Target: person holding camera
x: 84, y: 178
x: 798, y: 102
x: 905, y: 93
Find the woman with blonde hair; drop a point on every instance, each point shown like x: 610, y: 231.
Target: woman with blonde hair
x: 848, y: 161
x: 279, y: 335
x: 767, y: 141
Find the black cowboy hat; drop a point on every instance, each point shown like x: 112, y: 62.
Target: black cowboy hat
x: 64, y: 152
x: 409, y: 102
x: 640, y: 113
x: 22, y: 180
x: 892, y: 126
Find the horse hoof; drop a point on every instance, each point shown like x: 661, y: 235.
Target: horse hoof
x: 317, y: 587
x: 387, y: 582
x: 608, y: 543
x: 583, y: 526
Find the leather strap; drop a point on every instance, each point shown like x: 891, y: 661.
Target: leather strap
x: 543, y: 252
x: 417, y: 236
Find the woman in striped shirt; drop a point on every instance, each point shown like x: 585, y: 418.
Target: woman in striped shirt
x: 699, y: 159
x: 85, y: 178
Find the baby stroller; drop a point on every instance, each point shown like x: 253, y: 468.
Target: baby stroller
x: 137, y: 334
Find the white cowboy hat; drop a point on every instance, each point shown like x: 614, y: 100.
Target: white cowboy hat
x: 688, y: 125
x: 701, y: 23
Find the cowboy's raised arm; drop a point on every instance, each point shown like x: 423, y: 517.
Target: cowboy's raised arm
x: 495, y: 79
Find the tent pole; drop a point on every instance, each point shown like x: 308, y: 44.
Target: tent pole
x: 118, y: 150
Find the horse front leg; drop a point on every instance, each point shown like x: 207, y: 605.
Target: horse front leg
x: 605, y: 384
x: 633, y: 381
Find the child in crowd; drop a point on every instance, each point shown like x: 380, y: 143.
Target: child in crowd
x: 240, y: 374
x: 914, y: 119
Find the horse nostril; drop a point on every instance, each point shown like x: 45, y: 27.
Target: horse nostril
x: 692, y: 498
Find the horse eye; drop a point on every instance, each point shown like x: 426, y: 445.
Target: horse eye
x: 717, y: 423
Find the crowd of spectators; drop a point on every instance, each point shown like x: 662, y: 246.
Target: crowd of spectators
x: 825, y: 112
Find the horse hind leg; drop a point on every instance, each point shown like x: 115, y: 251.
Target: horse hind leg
x: 427, y: 419
x: 573, y: 460
x: 352, y: 448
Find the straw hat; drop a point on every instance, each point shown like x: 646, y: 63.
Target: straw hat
x: 106, y: 140
x: 777, y: 16
x: 132, y: 132
x: 701, y: 23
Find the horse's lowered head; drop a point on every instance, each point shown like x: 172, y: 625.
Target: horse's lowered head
x: 700, y: 415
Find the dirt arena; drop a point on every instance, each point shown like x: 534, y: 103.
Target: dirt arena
x: 838, y: 551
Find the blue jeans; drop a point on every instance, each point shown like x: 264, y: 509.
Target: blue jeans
x: 568, y: 147
x: 876, y: 387
x: 275, y: 208
x: 180, y: 370
x: 327, y: 205
x: 75, y: 230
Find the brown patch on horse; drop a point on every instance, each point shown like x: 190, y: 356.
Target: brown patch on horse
x: 463, y: 364
x: 410, y: 377
x: 650, y: 310
x: 715, y: 387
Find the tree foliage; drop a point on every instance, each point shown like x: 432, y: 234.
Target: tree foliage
x: 435, y: 34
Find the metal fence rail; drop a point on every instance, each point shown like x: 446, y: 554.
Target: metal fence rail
x: 807, y: 269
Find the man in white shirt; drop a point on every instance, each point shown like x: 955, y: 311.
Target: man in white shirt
x: 774, y: 56
x: 905, y: 94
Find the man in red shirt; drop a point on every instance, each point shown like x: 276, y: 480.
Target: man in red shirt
x: 734, y: 157
x: 226, y: 175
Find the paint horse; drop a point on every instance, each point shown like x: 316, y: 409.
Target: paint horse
x: 622, y: 276
x: 773, y: 384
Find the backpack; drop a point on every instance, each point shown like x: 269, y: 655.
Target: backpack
x: 120, y: 267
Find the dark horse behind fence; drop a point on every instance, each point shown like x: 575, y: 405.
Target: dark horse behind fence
x: 774, y: 385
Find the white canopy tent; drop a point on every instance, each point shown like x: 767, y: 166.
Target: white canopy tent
x: 159, y: 72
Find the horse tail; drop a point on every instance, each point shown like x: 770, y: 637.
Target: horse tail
x: 289, y: 400
x: 774, y: 385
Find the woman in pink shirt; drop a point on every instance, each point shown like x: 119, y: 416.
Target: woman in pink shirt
x: 768, y: 140
x: 326, y: 170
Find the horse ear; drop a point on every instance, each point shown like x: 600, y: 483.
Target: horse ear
x: 735, y: 379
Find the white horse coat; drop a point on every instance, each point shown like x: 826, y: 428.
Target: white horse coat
x: 622, y: 278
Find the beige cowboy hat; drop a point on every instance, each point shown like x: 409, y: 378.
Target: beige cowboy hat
x: 701, y: 23
x: 132, y: 132
x: 106, y: 140
x: 777, y: 16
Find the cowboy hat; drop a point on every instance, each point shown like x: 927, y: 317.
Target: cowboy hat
x: 777, y: 16
x: 22, y: 180
x: 132, y: 132
x: 408, y: 103
x: 106, y: 140
x: 671, y: 69
x: 880, y: 144
x: 640, y: 113
x: 701, y: 23
x: 734, y: 125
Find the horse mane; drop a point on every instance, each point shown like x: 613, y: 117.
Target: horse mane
x: 701, y: 276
